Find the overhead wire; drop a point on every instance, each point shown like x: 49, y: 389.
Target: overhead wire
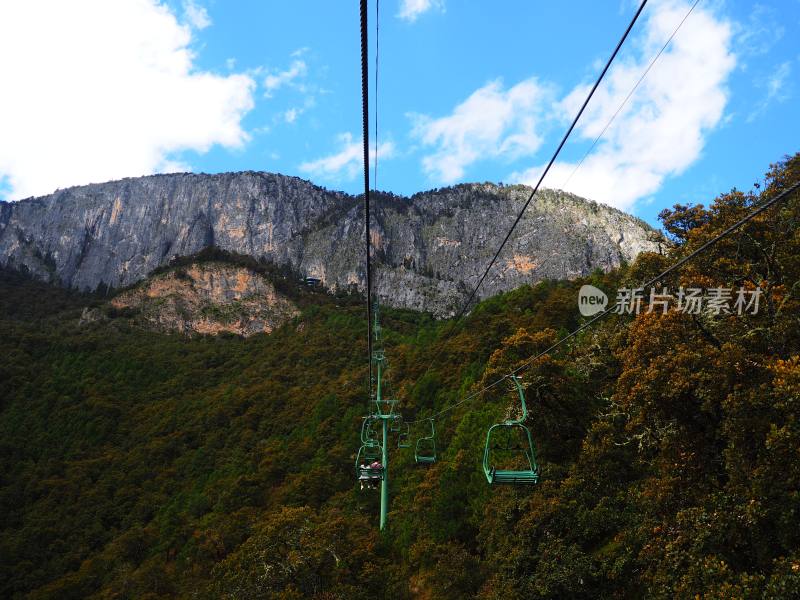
x: 619, y: 109
x: 553, y: 158
x: 612, y: 309
x: 630, y: 93
x: 599, y: 79
x: 365, y: 133
x: 377, y: 63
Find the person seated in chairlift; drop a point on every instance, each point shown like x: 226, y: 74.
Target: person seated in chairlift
x: 363, y: 478
x: 375, y: 477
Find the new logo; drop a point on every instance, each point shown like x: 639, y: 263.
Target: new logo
x: 591, y: 300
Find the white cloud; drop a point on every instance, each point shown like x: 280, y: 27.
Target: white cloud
x: 196, y: 15
x: 410, y: 10
x: 778, y: 79
x: 294, y: 79
x: 274, y: 81
x: 775, y: 84
x: 290, y: 116
x: 763, y: 30
x: 99, y: 90
x: 175, y: 166
x: 662, y: 129
x: 492, y: 122
x: 348, y: 162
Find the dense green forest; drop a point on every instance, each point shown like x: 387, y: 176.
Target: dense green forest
x: 136, y: 464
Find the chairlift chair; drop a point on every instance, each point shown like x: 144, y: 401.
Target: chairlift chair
x: 512, y: 476
x: 425, y: 450
x: 369, y: 451
x: 367, y: 454
x: 397, y: 424
x: 402, y: 437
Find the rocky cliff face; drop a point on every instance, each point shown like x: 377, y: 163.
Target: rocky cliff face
x: 208, y: 298
x: 429, y: 249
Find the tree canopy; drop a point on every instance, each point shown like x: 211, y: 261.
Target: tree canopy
x: 136, y: 464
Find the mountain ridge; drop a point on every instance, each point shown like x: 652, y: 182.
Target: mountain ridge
x: 429, y: 247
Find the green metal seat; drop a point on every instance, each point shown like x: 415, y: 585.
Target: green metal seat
x: 524, y: 476
x: 425, y: 450
x: 514, y: 477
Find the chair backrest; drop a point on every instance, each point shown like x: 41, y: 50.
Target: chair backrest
x: 368, y: 434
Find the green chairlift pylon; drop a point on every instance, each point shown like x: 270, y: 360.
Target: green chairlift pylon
x: 374, y: 445
x: 529, y: 474
x: 425, y: 450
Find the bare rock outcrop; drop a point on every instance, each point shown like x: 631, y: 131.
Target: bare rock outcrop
x: 207, y: 298
x: 430, y: 248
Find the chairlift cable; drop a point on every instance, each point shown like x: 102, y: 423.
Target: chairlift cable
x: 377, y: 63
x: 613, y: 307
x: 464, y: 309
x: 553, y: 159
x: 620, y: 107
x: 628, y: 97
x: 365, y: 132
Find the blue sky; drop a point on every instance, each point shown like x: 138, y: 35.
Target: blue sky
x: 469, y: 91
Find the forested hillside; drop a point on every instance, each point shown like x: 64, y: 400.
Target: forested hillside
x: 141, y: 464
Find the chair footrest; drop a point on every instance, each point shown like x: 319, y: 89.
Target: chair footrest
x: 515, y: 477
x: 370, y: 473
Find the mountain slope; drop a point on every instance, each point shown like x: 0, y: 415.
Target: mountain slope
x: 429, y: 248
x: 135, y: 464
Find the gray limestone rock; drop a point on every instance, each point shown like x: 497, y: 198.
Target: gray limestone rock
x: 429, y: 250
